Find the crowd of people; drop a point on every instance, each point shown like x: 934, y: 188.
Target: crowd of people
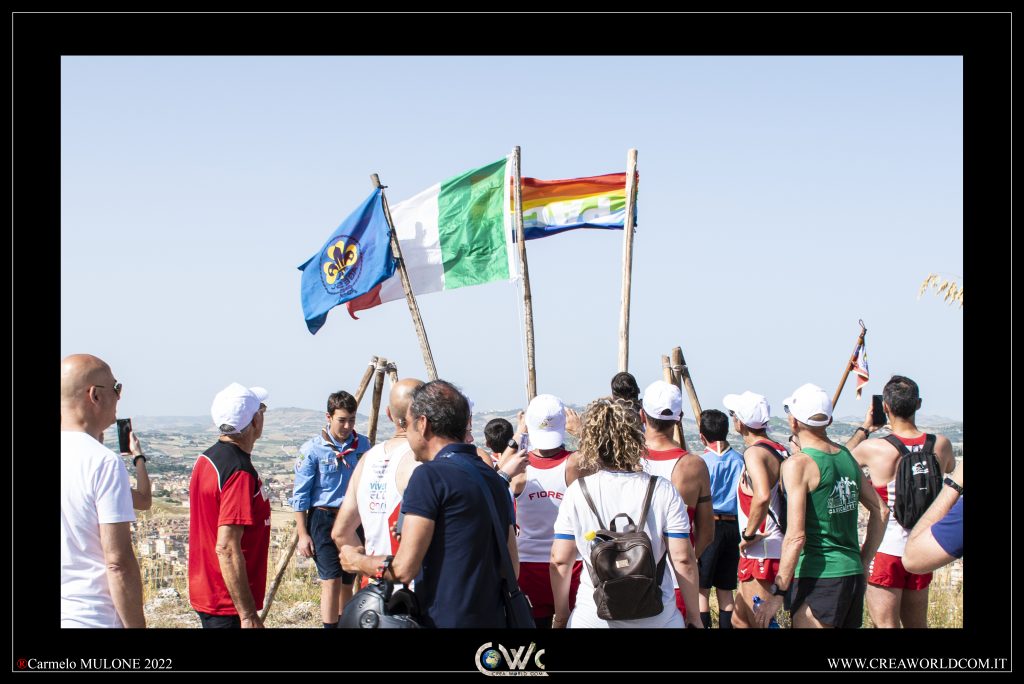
x: 770, y: 525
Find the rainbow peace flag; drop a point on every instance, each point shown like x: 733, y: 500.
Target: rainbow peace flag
x: 555, y: 206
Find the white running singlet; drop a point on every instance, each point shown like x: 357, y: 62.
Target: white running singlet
x: 771, y: 545
x: 537, y: 506
x: 378, y: 498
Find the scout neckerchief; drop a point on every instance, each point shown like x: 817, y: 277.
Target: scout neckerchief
x: 341, y: 452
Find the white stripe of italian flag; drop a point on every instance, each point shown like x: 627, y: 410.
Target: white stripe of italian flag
x: 453, y: 234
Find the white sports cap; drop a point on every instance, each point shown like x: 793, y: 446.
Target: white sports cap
x: 545, y: 421
x: 234, y: 407
x: 752, y: 409
x: 661, y: 396
x: 806, y: 401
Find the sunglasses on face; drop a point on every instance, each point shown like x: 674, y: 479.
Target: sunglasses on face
x: 117, y: 388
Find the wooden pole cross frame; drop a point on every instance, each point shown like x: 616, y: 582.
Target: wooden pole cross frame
x: 410, y: 298
x: 365, y: 382
x: 378, y: 389
x: 849, y: 364
x: 677, y: 379
x: 680, y: 367
x: 517, y: 198
x: 627, y: 259
x: 278, y: 574
x: 669, y: 377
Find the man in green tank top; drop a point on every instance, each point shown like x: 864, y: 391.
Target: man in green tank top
x: 822, y: 572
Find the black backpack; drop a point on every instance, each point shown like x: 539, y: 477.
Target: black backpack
x: 781, y: 519
x: 627, y: 581
x: 918, y: 481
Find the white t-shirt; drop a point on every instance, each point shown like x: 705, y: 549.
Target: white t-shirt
x: 615, y: 493
x: 94, y: 490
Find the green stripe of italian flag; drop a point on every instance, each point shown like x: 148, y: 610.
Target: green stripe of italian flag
x: 453, y: 234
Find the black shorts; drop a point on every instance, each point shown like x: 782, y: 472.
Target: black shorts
x: 328, y: 565
x: 836, y: 601
x: 219, y: 621
x: 719, y: 561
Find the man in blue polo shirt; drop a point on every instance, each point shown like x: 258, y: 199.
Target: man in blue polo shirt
x: 448, y: 541
x: 321, y: 479
x: 721, y: 558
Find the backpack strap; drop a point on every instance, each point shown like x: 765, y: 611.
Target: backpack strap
x: 663, y: 563
x: 647, y: 503
x: 590, y: 502
x: 929, y: 443
x: 900, y: 446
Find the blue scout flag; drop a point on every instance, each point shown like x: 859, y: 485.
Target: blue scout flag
x: 352, y: 262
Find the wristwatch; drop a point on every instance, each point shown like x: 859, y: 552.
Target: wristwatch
x: 775, y: 591
x: 949, y: 482
x: 505, y: 476
x: 135, y: 460
x: 513, y: 445
x: 746, y: 538
x: 384, y: 567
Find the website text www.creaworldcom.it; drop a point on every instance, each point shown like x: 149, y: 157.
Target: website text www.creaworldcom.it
x: 918, y: 663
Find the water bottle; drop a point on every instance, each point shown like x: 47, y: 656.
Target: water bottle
x: 757, y: 604
x: 594, y: 538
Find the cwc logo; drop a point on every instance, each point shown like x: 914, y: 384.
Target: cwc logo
x: 509, y: 662
x: 340, y: 265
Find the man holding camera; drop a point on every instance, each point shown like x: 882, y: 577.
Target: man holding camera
x: 895, y: 595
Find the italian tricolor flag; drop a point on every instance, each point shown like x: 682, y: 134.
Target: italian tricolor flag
x: 453, y: 234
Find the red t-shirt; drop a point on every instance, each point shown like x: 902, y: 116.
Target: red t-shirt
x: 226, y: 490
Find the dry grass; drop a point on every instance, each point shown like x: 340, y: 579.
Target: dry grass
x: 949, y: 290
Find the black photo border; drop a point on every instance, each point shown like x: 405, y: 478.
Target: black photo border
x: 39, y: 40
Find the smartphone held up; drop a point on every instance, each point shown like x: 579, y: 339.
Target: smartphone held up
x: 124, y: 431
x: 877, y: 412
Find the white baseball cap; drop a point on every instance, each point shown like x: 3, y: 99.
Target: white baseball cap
x: 661, y: 396
x: 234, y: 407
x: 752, y: 409
x: 545, y: 421
x: 806, y: 401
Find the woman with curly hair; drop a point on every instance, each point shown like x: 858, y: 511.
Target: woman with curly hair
x: 612, y: 448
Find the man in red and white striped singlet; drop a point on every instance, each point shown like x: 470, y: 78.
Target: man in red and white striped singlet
x: 662, y: 409
x: 760, y: 508
x: 895, y: 596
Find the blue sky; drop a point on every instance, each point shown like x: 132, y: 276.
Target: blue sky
x: 781, y: 199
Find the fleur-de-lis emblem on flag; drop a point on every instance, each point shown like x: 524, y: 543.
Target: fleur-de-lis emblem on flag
x: 342, y: 256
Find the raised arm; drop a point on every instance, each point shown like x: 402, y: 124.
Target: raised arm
x: 142, y: 495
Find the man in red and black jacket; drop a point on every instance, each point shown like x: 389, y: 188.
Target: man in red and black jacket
x: 229, y: 516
